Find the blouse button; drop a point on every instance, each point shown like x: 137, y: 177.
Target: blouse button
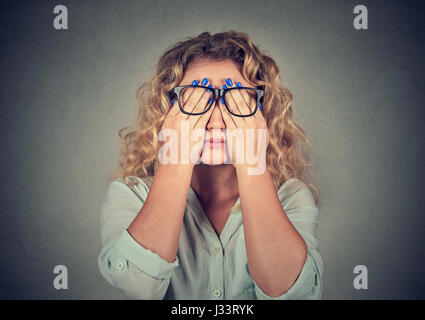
x: 217, y: 293
x: 120, y: 265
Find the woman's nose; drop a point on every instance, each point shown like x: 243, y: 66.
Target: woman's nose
x: 216, y: 120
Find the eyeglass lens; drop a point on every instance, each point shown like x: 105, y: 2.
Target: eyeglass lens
x: 204, y: 98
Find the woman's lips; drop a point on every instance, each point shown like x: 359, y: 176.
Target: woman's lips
x: 215, y: 142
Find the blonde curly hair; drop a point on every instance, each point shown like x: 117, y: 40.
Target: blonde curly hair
x: 288, y: 149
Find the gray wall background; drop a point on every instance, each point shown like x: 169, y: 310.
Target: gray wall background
x: 65, y: 94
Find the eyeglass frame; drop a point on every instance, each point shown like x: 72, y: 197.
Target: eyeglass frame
x: 220, y: 94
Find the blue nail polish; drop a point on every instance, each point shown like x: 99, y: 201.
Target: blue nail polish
x: 204, y: 81
x: 172, y: 102
x: 224, y: 86
x: 238, y: 84
x: 221, y: 99
x: 229, y: 82
x: 261, y: 107
x: 209, y: 102
x: 210, y: 86
x: 195, y: 82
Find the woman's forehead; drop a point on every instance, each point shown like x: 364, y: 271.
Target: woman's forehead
x: 215, y: 71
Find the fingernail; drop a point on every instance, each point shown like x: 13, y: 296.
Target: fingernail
x: 224, y: 86
x: 204, y: 81
x: 195, y: 82
x: 209, y: 102
x: 261, y: 107
x: 229, y: 82
x: 238, y: 84
x: 172, y: 102
x: 210, y: 86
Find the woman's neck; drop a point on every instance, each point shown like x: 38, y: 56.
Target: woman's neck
x: 214, y: 184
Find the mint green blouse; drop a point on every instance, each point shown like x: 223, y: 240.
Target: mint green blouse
x: 207, y: 266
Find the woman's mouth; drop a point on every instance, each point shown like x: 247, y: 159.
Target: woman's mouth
x: 215, y: 142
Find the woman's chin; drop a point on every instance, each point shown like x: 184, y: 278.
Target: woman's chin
x: 212, y: 161
x: 213, y: 156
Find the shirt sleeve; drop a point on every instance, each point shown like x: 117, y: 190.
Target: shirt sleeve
x: 298, y: 204
x: 137, y: 272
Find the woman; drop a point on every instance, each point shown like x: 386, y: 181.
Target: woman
x: 217, y: 226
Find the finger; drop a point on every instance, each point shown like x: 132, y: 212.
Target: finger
x: 238, y: 102
x: 205, y: 100
x: 231, y: 102
x: 186, y: 93
x: 179, y: 104
x: 195, y: 102
x: 249, y: 96
x: 259, y: 114
x: 249, y: 121
x: 176, y: 103
x: 174, y: 107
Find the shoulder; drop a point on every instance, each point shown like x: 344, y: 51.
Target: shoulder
x: 132, y: 185
x: 294, y: 192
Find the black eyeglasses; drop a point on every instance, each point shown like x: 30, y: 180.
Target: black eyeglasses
x: 205, y: 96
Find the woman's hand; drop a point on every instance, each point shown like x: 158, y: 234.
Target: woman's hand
x: 251, y: 131
x: 186, y: 132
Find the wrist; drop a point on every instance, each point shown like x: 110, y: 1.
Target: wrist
x: 249, y: 171
x: 182, y: 169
